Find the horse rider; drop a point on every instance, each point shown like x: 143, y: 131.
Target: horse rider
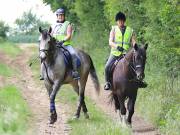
x: 121, y: 38
x: 62, y: 31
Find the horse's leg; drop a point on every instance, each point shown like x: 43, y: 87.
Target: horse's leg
x: 53, y: 116
x: 130, y: 106
x: 82, y: 91
x: 76, y: 89
x: 122, y: 109
x: 48, y: 87
x: 117, y: 105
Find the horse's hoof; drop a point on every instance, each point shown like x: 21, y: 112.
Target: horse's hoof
x: 86, y: 115
x: 75, y: 117
x: 129, y: 125
x: 53, y: 118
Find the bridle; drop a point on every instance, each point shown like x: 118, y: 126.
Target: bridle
x: 46, y: 66
x: 133, y: 65
x: 46, y: 50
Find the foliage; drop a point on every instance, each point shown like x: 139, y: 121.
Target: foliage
x: 14, y: 112
x: 155, y: 22
x: 3, y: 30
x: 21, y: 38
x: 29, y: 23
x: 26, y: 30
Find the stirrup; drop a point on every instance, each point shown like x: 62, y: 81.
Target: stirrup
x: 41, y: 78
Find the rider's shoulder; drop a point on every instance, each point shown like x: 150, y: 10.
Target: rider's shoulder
x: 114, y: 27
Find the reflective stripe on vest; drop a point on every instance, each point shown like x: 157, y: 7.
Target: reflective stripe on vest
x: 122, y: 41
x: 60, y: 32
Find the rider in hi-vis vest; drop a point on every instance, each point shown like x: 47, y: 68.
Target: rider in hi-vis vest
x: 62, y: 32
x: 120, y: 40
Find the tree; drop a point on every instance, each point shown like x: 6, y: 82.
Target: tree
x: 29, y: 23
x: 3, y: 30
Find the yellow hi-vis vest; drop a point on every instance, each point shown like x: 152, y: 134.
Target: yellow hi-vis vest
x: 122, y: 40
x: 60, y: 32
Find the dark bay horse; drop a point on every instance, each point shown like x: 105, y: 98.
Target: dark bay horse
x: 127, y: 72
x: 56, y: 73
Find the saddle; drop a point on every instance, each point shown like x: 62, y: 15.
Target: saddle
x: 68, y: 58
x: 112, y: 67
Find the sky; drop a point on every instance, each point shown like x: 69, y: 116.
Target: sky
x: 10, y: 10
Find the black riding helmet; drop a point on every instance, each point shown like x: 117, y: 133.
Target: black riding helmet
x: 60, y: 11
x: 120, y: 16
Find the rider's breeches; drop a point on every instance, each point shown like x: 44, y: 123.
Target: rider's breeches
x: 110, y: 61
x: 74, y: 56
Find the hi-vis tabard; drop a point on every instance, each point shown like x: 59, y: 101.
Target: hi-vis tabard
x: 122, y: 40
x: 60, y: 32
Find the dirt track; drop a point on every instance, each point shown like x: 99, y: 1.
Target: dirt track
x: 37, y: 98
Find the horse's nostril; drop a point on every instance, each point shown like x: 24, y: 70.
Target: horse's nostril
x: 139, y: 77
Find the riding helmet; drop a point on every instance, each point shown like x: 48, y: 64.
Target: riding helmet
x: 60, y: 11
x: 120, y: 16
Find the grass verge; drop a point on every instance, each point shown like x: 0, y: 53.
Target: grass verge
x: 5, y: 70
x: 14, y: 112
x: 98, y: 124
x: 9, y: 49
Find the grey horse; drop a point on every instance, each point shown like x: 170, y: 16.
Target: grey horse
x: 56, y: 73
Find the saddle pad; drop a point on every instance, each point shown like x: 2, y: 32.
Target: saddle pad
x: 68, y: 60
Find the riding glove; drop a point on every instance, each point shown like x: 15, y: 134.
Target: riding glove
x: 120, y: 48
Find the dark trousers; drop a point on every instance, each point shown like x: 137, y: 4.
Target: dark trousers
x: 110, y: 61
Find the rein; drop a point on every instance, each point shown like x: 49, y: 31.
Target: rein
x: 48, y: 74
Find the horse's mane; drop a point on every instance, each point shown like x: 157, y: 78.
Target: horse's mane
x: 52, y: 45
x: 129, y: 54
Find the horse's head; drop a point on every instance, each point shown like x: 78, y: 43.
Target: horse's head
x: 139, y: 60
x: 45, y: 42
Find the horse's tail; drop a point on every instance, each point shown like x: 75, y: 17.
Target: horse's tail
x: 94, y: 76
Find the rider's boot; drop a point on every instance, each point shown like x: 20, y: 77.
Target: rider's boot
x: 107, y: 85
x: 75, y: 73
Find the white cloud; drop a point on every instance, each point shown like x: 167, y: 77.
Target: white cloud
x: 12, y: 9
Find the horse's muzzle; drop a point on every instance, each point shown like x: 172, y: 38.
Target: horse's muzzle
x: 140, y: 76
x: 42, y: 56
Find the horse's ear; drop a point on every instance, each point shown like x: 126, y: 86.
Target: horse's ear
x: 146, y: 46
x: 50, y: 30
x: 40, y: 29
x: 135, y: 46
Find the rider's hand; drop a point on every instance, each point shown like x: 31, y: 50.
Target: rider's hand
x: 61, y: 42
x: 120, y: 48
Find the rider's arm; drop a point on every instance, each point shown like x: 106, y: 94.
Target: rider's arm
x: 111, y: 39
x: 69, y: 33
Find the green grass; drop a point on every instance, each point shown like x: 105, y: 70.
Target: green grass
x: 5, y: 70
x: 35, y: 66
x: 98, y: 124
x: 14, y: 112
x: 10, y: 49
